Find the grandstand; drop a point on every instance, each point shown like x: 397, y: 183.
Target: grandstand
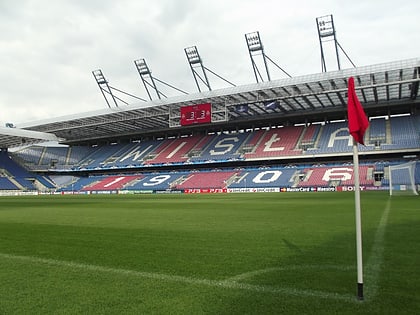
x: 286, y: 157
x: 281, y: 135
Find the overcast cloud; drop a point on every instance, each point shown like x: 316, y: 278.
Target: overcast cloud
x: 49, y: 48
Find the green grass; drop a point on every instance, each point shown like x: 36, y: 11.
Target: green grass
x: 291, y: 253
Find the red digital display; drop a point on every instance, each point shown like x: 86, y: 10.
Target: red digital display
x: 196, y: 114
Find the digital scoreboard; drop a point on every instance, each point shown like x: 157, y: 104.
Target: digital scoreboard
x: 196, y: 114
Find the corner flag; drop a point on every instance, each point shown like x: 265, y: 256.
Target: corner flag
x: 358, y: 122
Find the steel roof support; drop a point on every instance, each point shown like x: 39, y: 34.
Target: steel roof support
x: 256, y: 48
x: 103, y: 86
x: 149, y: 81
x: 326, y: 33
x: 197, y: 68
x: 107, y: 89
x: 146, y: 77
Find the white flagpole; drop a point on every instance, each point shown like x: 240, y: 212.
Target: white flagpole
x: 358, y: 221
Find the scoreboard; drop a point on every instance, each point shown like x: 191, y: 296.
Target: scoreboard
x: 196, y: 114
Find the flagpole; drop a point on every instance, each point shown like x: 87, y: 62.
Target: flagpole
x: 358, y: 221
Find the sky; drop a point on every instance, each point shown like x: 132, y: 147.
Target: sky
x: 48, y: 49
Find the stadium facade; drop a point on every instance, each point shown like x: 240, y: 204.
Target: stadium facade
x: 282, y: 135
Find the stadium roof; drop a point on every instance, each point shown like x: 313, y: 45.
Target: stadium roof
x: 382, y: 89
x: 13, y: 137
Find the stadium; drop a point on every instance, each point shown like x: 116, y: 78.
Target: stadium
x: 261, y: 145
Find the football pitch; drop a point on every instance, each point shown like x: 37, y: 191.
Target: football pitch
x: 266, y: 253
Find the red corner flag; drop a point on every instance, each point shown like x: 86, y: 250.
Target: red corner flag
x: 358, y: 122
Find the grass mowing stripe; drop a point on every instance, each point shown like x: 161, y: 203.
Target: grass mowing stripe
x: 373, y: 266
x: 227, y: 284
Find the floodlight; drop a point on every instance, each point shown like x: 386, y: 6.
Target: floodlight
x: 253, y: 41
x: 99, y: 77
x: 141, y: 66
x: 325, y: 25
x: 192, y: 55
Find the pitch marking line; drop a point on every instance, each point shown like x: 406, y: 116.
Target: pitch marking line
x: 254, y: 273
x: 374, y: 263
x: 225, y: 284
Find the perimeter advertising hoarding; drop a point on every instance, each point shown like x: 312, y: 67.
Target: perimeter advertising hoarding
x: 205, y: 190
x: 196, y: 114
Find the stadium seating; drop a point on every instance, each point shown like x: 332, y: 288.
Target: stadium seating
x: 277, y: 142
x: 79, y: 183
x: 31, y: 155
x: 334, y: 138
x: 99, y: 157
x: 174, y: 150
x: 6, y: 184
x: 112, y: 182
x: 285, y: 144
x: 202, y: 143
x: 206, y: 180
x: 253, y: 139
x: 264, y: 178
x: 16, y: 173
x: 310, y: 135
x: 132, y: 155
x: 334, y: 176
x: 54, y: 156
x: 45, y: 181
x: 223, y: 147
x: 405, y: 133
x: 377, y: 130
x: 156, y: 181
x: 76, y: 154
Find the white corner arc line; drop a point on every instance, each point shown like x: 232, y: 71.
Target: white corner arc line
x: 225, y: 284
x: 251, y: 274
